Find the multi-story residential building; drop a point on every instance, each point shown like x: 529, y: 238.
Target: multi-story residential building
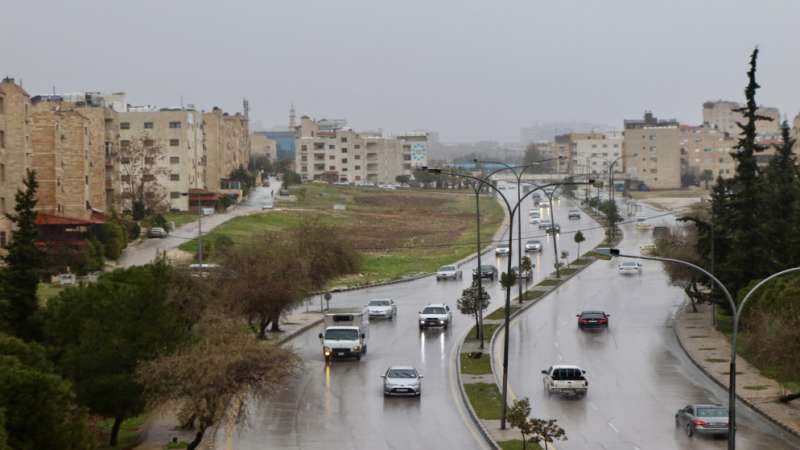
x: 415, y: 146
x: 722, y: 115
x: 260, y: 145
x: 592, y: 154
x: 706, y: 153
x: 651, y: 152
x: 16, y: 152
x: 226, y: 139
x: 329, y: 151
x: 177, y: 137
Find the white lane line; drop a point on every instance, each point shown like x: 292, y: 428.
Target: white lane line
x: 556, y: 344
x: 593, y: 406
x: 613, y: 427
x: 560, y: 358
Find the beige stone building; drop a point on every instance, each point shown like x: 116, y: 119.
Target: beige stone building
x: 592, y: 153
x: 327, y: 150
x: 261, y: 145
x: 707, y: 150
x: 720, y: 115
x: 180, y: 165
x: 15, y: 149
x: 226, y: 139
x: 651, y: 152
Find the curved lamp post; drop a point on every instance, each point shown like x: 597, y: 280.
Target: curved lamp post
x: 511, y: 212
x: 737, y: 312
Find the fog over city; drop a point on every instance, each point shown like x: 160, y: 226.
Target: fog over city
x: 468, y: 69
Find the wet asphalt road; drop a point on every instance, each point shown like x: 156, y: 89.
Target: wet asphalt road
x: 638, y: 375
x: 341, y: 406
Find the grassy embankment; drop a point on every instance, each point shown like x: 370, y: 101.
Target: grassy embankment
x: 180, y: 218
x: 398, y: 233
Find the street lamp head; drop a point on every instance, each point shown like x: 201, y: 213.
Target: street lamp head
x: 607, y: 251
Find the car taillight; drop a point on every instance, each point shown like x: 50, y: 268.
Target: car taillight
x: 699, y: 423
x: 583, y: 321
x: 603, y: 320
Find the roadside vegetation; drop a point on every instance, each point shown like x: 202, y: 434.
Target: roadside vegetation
x: 397, y: 233
x: 749, y: 230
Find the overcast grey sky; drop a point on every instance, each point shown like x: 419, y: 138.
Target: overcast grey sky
x: 470, y: 69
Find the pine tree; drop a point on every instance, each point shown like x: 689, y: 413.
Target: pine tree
x: 20, y: 278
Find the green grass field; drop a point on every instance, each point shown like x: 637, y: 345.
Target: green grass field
x: 516, y: 444
x: 129, y: 433
x: 475, y: 366
x: 485, y: 399
x: 399, y: 233
x: 180, y: 218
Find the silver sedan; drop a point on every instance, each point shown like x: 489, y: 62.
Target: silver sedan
x: 402, y: 380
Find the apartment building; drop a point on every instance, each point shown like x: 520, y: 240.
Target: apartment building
x: 415, y: 145
x: 261, y: 145
x: 593, y: 153
x: 651, y: 150
x: 226, y: 138
x: 722, y: 116
x: 15, y: 149
x: 176, y: 134
x: 707, y: 151
x: 329, y: 151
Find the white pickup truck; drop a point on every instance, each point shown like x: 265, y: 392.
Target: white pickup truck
x: 346, y: 333
x: 565, y: 380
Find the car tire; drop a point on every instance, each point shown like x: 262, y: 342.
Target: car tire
x: 677, y: 422
x: 421, y: 328
x: 358, y: 357
x: 689, y: 430
x: 364, y: 352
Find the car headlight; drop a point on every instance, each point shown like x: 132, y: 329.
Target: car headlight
x: 441, y: 321
x: 422, y: 321
x: 326, y: 349
x: 357, y: 348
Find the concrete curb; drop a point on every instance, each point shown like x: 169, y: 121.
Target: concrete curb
x: 724, y: 386
x: 465, y: 400
x: 291, y: 335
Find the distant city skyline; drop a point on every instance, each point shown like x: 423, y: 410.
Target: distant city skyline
x: 469, y: 70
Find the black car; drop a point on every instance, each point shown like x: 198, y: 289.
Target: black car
x: 486, y: 271
x: 555, y: 228
x: 591, y: 320
x: 574, y: 214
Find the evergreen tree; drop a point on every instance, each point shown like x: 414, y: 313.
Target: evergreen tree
x: 781, y: 193
x: 20, y: 279
x: 738, y: 218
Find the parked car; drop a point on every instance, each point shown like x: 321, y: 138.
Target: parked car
x: 486, y: 271
x: 565, y: 380
x: 382, y: 307
x: 402, y: 380
x: 502, y: 249
x: 266, y: 206
x: 588, y: 320
x: 647, y: 249
x: 448, y: 273
x: 703, y: 419
x: 525, y: 274
x: 157, y: 232
x: 544, y: 224
x: 535, y: 221
x: 556, y: 228
x: 533, y: 246
x: 629, y: 268
x: 435, y: 315
x: 642, y: 224
x: 574, y: 214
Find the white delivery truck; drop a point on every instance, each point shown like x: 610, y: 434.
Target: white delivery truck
x: 346, y: 333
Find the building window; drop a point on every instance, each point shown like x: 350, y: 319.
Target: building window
x: 174, y: 124
x: 2, y: 139
x: 358, y: 177
x: 2, y: 173
x: 357, y: 167
x: 304, y: 169
x: 124, y: 144
x: 149, y: 143
x: 304, y: 158
x: 344, y: 139
x: 124, y: 125
x: 149, y: 160
x: 86, y: 180
x: 357, y: 157
x: 319, y: 146
x: 3, y: 239
x: 175, y: 194
x: 174, y: 159
x: 174, y: 177
x: 357, y: 146
x: 2, y: 105
x: 344, y: 160
x: 303, y: 147
x: 174, y: 142
x: 148, y: 177
x: 331, y: 167
x: 2, y: 205
x: 126, y: 178
x: 331, y: 147
x: 344, y: 149
x: 332, y: 157
x: 148, y: 125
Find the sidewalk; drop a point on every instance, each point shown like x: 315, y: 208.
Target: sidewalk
x: 710, y: 350
x: 162, y: 426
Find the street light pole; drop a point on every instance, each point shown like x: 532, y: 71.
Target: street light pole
x: 511, y: 212
x: 736, y: 311
x: 477, y: 188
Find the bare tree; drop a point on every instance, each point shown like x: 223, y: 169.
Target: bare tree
x: 218, y: 376
x: 139, y: 161
x: 680, y: 242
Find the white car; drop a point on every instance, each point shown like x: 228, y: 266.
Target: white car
x: 402, y: 380
x: 535, y: 220
x: 629, y: 268
x: 382, y: 307
x: 435, y: 315
x: 266, y: 206
x: 502, y: 249
x: 544, y: 224
x: 642, y: 224
x: 450, y: 272
x: 565, y: 380
x: 533, y: 246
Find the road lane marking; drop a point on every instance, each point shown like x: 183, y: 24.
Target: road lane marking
x: 556, y: 344
x: 593, y: 406
x: 560, y: 358
x: 613, y: 427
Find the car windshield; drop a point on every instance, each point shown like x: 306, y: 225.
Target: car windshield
x: 592, y: 316
x: 502, y: 247
x: 433, y: 310
x: 629, y: 264
x: 379, y: 303
x: 533, y: 242
x: 401, y: 373
x: 712, y: 412
x: 447, y: 268
x: 341, y: 335
x: 568, y: 374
